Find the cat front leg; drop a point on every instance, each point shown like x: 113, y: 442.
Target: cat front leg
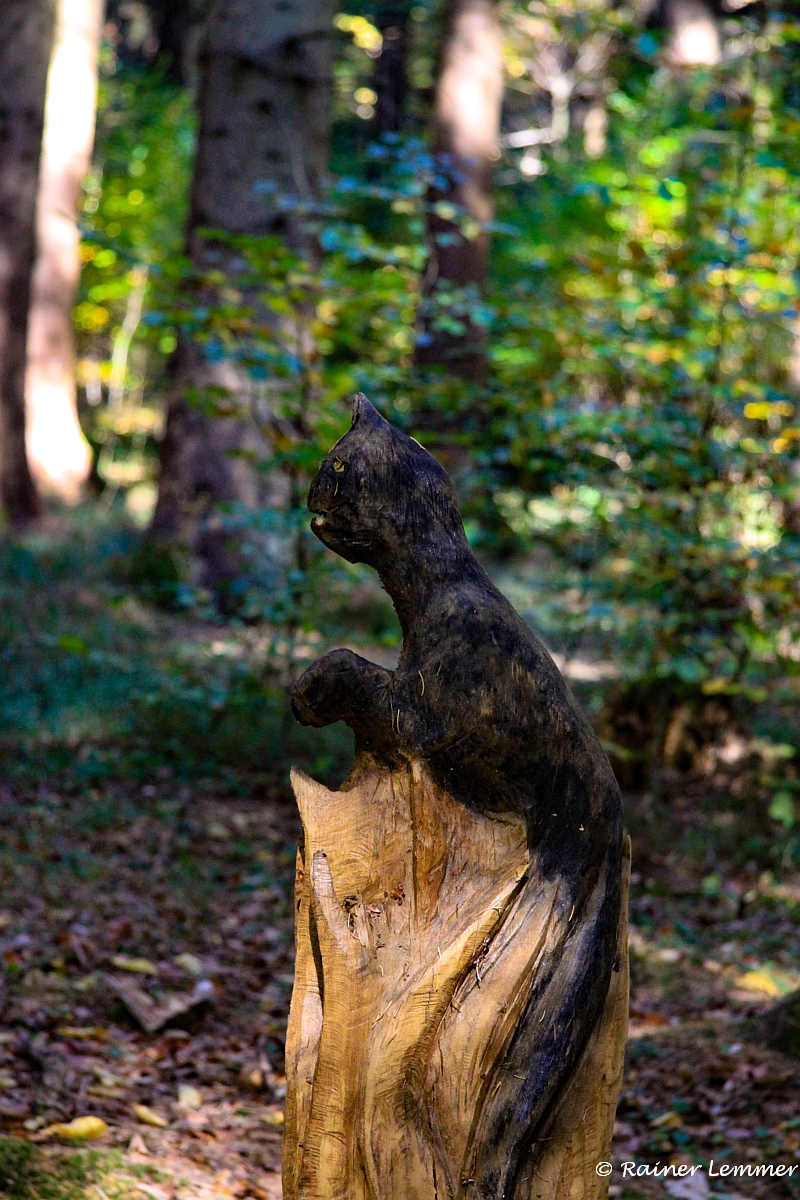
x: 342, y: 686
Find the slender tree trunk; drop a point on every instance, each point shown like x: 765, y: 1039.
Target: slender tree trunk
x: 469, y: 94
x: 391, y: 69
x: 176, y: 24
x: 26, y: 38
x: 264, y: 119
x: 694, y: 35
x: 59, y: 455
x: 693, y: 31
x: 173, y: 31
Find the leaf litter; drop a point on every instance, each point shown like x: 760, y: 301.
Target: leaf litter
x: 145, y: 997
x: 707, y: 954
x: 194, y: 1104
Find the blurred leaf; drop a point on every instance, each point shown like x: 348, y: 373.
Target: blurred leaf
x: 782, y: 809
x: 758, y: 981
x: 189, y: 1097
x: 79, y: 1129
x: 148, y: 1117
x: 141, y: 966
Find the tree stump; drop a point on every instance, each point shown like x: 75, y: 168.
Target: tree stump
x: 459, y: 1014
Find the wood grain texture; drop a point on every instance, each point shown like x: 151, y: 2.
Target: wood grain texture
x: 418, y: 940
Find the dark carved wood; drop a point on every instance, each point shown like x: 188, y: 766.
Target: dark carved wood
x: 480, y: 740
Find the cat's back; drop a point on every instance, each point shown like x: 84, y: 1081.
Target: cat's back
x: 479, y: 627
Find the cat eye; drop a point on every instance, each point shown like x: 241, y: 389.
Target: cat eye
x: 337, y: 465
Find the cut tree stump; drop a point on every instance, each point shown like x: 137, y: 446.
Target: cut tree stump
x: 459, y: 1015
x: 417, y: 948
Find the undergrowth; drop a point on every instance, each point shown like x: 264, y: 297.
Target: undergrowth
x: 98, y: 684
x: 101, y: 684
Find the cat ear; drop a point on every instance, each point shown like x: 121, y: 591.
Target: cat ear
x: 365, y: 414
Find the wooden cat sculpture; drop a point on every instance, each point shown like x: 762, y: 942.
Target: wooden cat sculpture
x: 460, y: 1004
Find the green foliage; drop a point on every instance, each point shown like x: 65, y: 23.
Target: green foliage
x: 25, y: 1175
x: 639, y: 418
x: 96, y: 686
x: 634, y: 454
x: 134, y: 210
x: 15, y: 1158
x: 660, y: 458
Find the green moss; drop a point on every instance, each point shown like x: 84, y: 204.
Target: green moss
x: 28, y: 1173
x: 16, y: 1167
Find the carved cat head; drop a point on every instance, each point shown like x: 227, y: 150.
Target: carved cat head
x: 378, y: 492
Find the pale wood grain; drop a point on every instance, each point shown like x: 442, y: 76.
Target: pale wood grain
x: 420, y: 927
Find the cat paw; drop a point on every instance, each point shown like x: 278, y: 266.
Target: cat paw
x: 321, y: 695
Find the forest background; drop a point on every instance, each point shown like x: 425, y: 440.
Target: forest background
x: 557, y: 241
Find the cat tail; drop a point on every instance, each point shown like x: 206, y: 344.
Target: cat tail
x: 571, y: 980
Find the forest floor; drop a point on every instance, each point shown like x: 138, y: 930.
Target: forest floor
x: 194, y: 900
x: 147, y: 860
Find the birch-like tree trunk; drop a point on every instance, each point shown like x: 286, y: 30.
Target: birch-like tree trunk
x: 57, y: 450
x: 694, y: 38
x: 26, y: 38
x: 469, y: 93
x: 264, y: 120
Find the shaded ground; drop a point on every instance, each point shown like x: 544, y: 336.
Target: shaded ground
x: 166, y: 885
x: 184, y: 888
x: 179, y: 880
x: 694, y: 1089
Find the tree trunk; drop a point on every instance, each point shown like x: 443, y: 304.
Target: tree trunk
x: 58, y: 452
x: 263, y: 137
x: 26, y: 39
x: 693, y: 32
x: 391, y: 69
x: 176, y: 24
x: 469, y: 94
x: 694, y: 40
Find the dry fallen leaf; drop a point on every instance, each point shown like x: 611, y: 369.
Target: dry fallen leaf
x: 667, y: 1120
x: 81, y: 1128
x: 150, y: 1189
x: 273, y: 1117
x: 13, y: 1110
x: 93, y: 1032
x: 148, y: 1117
x: 189, y: 1097
x: 268, y: 1188
x: 153, y: 1014
x: 651, y: 1020
x: 137, y: 1145
x: 105, y: 1077
x: 190, y: 963
x: 140, y: 966
x: 215, y: 829
x: 758, y: 981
